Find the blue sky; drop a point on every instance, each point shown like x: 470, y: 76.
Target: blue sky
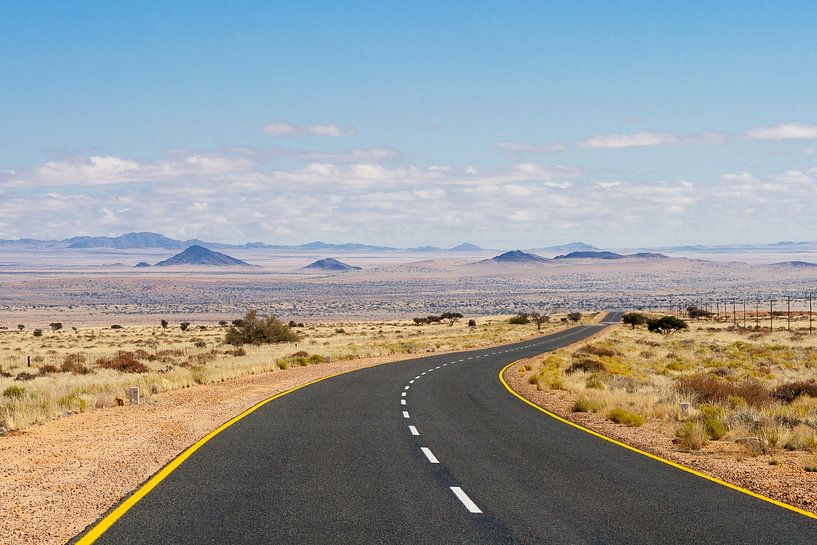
x: 507, y: 124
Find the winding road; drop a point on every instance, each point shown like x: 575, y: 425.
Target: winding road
x: 436, y: 451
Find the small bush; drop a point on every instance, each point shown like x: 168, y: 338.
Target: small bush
x: 666, y: 325
x: 810, y: 463
x: 792, y: 390
x: 74, y: 363
x: 25, y: 376
x: 238, y: 352
x: 597, y: 350
x: 583, y: 405
x: 692, y: 435
x: 593, y: 382
x: 37, y: 333
x: 623, y: 416
x: 116, y: 326
x: 712, y: 420
x: 519, y: 319
x: 802, y: 437
x: 200, y: 344
x: 14, y: 392
x: 48, y: 369
x: 586, y: 365
x: 719, y: 391
x: 254, y: 330
x: 124, y: 362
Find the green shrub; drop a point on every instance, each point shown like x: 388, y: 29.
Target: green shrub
x: 583, y: 405
x: 254, y: 330
x: 666, y: 324
x: 623, y: 416
x: 692, y: 435
x: 712, y: 420
x: 14, y: 392
x: 519, y: 319
x: 594, y: 383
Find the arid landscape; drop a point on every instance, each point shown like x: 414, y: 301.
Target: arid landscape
x: 388, y: 273
x: 738, y: 404
x: 81, y: 287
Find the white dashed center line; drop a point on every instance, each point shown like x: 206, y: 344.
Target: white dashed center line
x: 466, y: 501
x: 407, y: 387
x: 405, y: 414
x: 430, y: 455
x: 403, y: 394
x: 402, y: 402
x: 413, y: 430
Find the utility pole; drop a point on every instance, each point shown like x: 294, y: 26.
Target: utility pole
x: 757, y: 313
x: 744, y: 313
x: 734, y: 314
x: 771, y: 315
x: 788, y: 313
x: 810, y: 296
x: 718, y: 309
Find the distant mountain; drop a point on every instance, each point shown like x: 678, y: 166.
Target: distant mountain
x: 567, y: 248
x: 590, y: 255
x: 149, y: 240
x: 786, y: 246
x: 610, y: 255
x: 126, y: 242
x: 465, y: 247
x: 142, y: 265
x: 516, y: 257
x: 330, y: 264
x: 199, y: 255
x: 648, y: 255
x: 793, y: 265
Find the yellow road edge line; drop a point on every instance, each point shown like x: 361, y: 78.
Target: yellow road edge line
x: 648, y: 454
x: 102, y: 526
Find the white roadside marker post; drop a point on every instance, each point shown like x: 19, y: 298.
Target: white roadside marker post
x: 133, y: 395
x: 685, y: 408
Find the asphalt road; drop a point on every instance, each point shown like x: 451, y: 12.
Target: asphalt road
x: 462, y: 461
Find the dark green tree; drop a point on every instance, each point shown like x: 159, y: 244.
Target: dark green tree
x: 634, y: 319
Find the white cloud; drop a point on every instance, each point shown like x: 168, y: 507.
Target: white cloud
x: 521, y: 147
x: 352, y: 156
x: 285, y: 128
x: 785, y: 131
x: 239, y: 197
x: 633, y: 140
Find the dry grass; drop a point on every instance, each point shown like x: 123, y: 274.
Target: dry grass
x: 755, y: 388
x: 91, y: 367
